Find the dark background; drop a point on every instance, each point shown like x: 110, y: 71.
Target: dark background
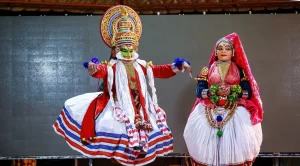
x: 41, y: 66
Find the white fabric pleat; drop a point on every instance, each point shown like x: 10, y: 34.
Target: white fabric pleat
x: 240, y: 141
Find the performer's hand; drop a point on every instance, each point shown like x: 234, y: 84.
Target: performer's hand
x: 92, y: 68
x: 187, y: 67
x: 227, y: 91
x: 223, y: 91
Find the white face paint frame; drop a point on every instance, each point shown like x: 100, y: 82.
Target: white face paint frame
x: 134, y: 57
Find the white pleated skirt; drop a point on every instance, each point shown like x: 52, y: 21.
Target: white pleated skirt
x: 111, y: 136
x: 240, y: 142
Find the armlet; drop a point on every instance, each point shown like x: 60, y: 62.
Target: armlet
x: 203, y: 74
x: 200, y: 78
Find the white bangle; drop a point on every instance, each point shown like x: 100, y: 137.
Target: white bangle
x: 204, y: 93
x: 245, y: 94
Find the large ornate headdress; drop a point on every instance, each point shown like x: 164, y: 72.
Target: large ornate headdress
x: 121, y: 25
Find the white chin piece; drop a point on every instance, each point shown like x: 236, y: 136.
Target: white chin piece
x: 120, y: 57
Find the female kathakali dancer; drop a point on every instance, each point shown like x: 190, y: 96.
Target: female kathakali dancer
x: 224, y: 127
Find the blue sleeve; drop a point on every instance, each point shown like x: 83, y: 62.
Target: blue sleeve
x: 202, y: 83
x: 200, y: 86
x: 245, y: 85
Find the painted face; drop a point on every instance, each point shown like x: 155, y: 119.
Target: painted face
x: 127, y: 51
x: 224, y: 51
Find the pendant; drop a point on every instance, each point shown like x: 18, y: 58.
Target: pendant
x: 219, y: 118
x: 132, y: 79
x: 219, y: 133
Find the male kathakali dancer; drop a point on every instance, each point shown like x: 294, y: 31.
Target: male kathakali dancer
x: 123, y: 122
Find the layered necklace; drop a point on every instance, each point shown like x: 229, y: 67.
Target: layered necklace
x: 220, y: 112
x: 219, y: 122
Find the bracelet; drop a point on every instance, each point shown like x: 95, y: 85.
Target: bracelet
x: 245, y: 94
x: 204, y: 93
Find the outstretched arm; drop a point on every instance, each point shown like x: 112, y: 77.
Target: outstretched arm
x: 95, y: 69
x: 101, y: 71
x: 169, y: 70
x: 163, y: 71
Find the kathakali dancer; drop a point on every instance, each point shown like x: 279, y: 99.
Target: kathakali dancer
x: 224, y: 127
x: 123, y: 122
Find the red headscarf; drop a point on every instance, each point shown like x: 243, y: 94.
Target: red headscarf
x: 241, y: 60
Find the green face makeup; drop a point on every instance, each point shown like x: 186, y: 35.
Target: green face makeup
x: 126, y: 51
